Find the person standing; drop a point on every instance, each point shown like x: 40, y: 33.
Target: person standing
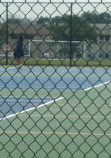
x: 19, y: 52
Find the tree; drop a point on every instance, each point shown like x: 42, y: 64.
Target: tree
x: 105, y: 18
x: 73, y: 28
x: 14, y: 21
x: 2, y: 34
x: 94, y: 17
x: 76, y: 30
x: 42, y: 20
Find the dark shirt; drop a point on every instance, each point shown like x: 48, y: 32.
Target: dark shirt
x: 20, y: 44
x: 19, y: 49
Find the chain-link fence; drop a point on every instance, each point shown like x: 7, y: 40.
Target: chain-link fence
x: 56, y: 100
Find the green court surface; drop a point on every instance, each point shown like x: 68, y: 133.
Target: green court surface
x: 78, y: 123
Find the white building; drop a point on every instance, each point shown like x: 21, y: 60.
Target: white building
x: 101, y: 49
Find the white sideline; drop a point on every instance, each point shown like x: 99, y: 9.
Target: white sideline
x: 50, y: 102
x: 32, y: 108
x: 97, y: 85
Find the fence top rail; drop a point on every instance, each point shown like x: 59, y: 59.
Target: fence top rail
x: 55, y: 1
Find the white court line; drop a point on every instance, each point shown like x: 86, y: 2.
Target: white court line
x: 97, y: 85
x: 32, y: 99
x: 39, y: 106
x: 9, y: 68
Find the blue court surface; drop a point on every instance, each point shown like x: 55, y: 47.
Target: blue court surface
x: 28, y: 87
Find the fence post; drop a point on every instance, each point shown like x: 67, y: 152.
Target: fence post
x: 6, y: 33
x: 71, y: 36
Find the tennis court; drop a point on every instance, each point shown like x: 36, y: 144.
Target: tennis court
x: 58, y: 105
x: 69, y: 107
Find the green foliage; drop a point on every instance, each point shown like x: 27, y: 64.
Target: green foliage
x: 75, y: 29
x: 94, y: 17
x: 42, y: 20
x: 14, y: 20
x: 2, y: 34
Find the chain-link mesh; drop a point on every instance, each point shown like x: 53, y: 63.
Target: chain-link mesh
x: 58, y: 103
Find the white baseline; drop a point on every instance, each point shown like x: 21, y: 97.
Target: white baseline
x: 97, y: 86
x: 39, y: 106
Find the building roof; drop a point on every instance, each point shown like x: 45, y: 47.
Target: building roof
x: 36, y: 29
x: 102, y: 28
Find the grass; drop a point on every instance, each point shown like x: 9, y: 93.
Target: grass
x: 56, y: 62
